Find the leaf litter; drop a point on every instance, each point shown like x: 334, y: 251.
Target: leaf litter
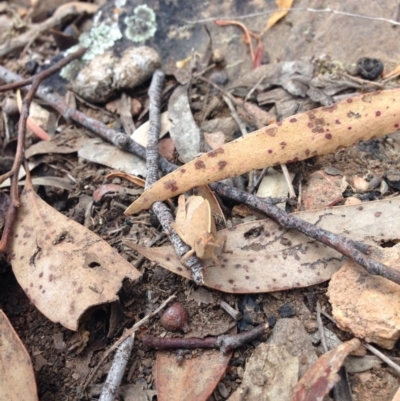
x: 17, y: 376
x: 363, y: 223
x: 64, y: 268
x: 253, y: 250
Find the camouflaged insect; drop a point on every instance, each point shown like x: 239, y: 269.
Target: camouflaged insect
x: 195, y: 225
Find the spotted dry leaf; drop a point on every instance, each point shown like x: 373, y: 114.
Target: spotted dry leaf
x: 63, y: 267
x: 316, y: 132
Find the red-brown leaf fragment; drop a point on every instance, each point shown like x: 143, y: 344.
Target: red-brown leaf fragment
x: 322, y: 376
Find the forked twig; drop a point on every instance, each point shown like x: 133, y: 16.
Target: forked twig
x: 19, y: 155
x: 225, y: 343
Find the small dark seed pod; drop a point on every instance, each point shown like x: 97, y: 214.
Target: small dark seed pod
x: 175, y: 318
x: 369, y: 68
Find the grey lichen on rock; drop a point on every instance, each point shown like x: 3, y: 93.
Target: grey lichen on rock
x: 141, y: 25
x: 107, y: 73
x: 98, y: 40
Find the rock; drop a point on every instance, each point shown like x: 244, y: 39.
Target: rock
x: 270, y: 374
x: 224, y: 392
x: 274, y: 185
x: 369, y: 68
x: 291, y: 334
x: 367, y: 305
x: 271, y: 321
x: 393, y: 179
x: 322, y: 189
x: 102, y: 77
x: 352, y: 200
x: 287, y: 310
x: 360, y: 184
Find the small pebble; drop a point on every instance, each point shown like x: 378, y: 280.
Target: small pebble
x: 219, y: 77
x: 383, y: 187
x: 31, y: 66
x: 10, y: 106
x: 374, y: 182
x: 369, y: 68
x: 271, y: 321
x: 360, y: 184
x: 175, y: 318
x: 287, y: 310
x: 370, y: 196
x: 223, y: 390
x: 393, y: 178
x: 332, y: 171
x: 352, y: 200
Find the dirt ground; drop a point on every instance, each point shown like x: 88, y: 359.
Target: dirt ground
x: 62, y: 358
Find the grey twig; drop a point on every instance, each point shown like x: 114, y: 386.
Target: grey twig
x: 161, y: 210
x: 20, y: 152
x: 117, y: 370
x: 225, y: 343
x: 321, y: 328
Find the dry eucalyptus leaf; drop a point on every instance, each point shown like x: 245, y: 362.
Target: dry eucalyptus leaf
x: 283, y: 6
x: 105, y: 189
x: 140, y: 134
x: 208, y: 194
x: 316, y: 132
x: 184, y: 130
x: 264, y: 257
x: 35, y: 111
x: 63, y: 267
x: 194, y: 379
x: 68, y: 141
x: 120, y: 174
x: 322, y: 376
x: 97, y: 151
x: 17, y: 379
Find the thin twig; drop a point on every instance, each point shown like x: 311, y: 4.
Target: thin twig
x: 343, y: 245
x: 321, y: 328
x: 64, y: 11
x: 235, y: 115
x: 254, y: 88
x: 162, y: 212
x: 383, y: 357
x: 117, y: 370
x: 246, y: 32
x: 128, y: 333
x: 301, y: 9
x: 258, y: 181
x: 225, y: 343
x: 19, y: 154
x: 288, y: 180
x: 361, y: 81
